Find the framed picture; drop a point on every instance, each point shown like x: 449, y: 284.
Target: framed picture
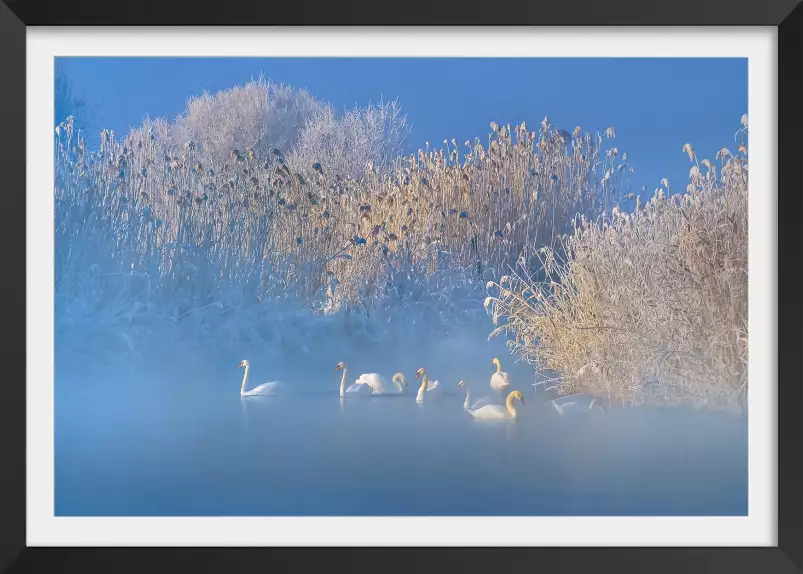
x: 490, y: 295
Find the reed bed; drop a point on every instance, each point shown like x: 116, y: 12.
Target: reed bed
x: 160, y: 239
x: 647, y: 306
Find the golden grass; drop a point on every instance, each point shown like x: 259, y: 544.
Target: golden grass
x: 649, y: 306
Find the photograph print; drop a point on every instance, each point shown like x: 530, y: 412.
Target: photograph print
x: 401, y: 286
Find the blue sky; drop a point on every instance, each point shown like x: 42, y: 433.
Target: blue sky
x: 655, y: 105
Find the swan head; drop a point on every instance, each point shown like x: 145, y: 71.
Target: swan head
x: 497, y: 363
x: 516, y: 395
x: 401, y: 378
x: 242, y: 364
x: 461, y: 384
x: 419, y: 372
x: 340, y: 366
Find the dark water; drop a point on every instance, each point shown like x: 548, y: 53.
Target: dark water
x: 210, y: 452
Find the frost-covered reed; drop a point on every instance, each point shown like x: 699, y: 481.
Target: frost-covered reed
x: 648, y: 306
x: 163, y: 231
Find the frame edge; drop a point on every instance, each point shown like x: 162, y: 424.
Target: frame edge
x: 12, y: 401
x: 790, y: 258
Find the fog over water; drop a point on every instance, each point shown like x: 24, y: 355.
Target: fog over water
x: 171, y: 435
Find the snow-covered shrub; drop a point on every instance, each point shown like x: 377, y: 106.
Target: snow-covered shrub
x: 259, y: 115
x: 363, y: 138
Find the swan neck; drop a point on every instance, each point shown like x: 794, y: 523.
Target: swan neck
x: 498, y: 367
x: 510, y: 408
x: 424, y: 381
x: 245, y: 376
x: 343, y: 383
x: 467, y: 402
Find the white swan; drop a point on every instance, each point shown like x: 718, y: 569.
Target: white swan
x: 355, y: 390
x: 498, y: 412
x: 577, y: 403
x: 433, y: 388
x: 482, y: 401
x: 270, y: 388
x: 380, y: 386
x: 500, y: 381
x: 401, y: 382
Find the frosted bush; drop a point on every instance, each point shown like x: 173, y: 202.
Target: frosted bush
x: 259, y: 115
x: 346, y: 145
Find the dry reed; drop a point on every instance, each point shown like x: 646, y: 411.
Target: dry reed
x: 648, y: 306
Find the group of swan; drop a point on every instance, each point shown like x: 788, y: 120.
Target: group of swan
x: 373, y: 384
x: 577, y: 403
x: 574, y: 403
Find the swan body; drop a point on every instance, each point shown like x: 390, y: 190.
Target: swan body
x: 270, y: 388
x: 498, y: 412
x: 429, y: 389
x: 358, y: 389
x: 482, y: 401
x: 380, y: 386
x: 500, y: 381
x: 374, y: 381
x: 569, y: 404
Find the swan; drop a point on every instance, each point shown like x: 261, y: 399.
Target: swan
x: 577, y: 403
x: 498, y: 412
x: 401, y: 382
x: 426, y: 386
x: 357, y: 389
x: 379, y: 385
x: 467, y: 403
x: 264, y: 389
x: 500, y: 381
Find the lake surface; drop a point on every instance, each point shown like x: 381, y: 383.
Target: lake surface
x: 210, y: 452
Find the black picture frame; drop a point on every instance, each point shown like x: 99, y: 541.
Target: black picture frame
x: 787, y: 15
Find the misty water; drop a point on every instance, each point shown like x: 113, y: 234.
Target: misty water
x: 139, y: 444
